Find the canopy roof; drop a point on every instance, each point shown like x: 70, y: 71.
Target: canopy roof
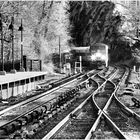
x: 81, y: 49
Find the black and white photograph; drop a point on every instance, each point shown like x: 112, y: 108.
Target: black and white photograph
x: 70, y: 69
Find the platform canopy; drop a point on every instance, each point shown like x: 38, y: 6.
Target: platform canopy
x: 81, y: 49
x: 99, y: 46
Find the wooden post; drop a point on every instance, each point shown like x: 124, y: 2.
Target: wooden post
x: 40, y: 62
x: 60, y: 64
x: 2, y: 72
x: 31, y: 65
x: 25, y: 62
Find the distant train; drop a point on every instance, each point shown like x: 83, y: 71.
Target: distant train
x: 95, y: 56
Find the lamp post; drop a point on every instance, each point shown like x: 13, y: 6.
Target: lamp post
x: 60, y: 64
x: 11, y: 27
x: 2, y: 72
x: 21, y: 29
x: 137, y: 28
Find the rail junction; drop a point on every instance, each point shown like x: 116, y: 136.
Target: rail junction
x: 81, y: 106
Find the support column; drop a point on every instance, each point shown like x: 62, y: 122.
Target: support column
x: 18, y: 83
x: 1, y: 97
x: 11, y: 89
x: 15, y: 88
x: 30, y: 85
x: 4, y: 91
x: 40, y: 62
x: 134, y: 68
x: 25, y: 62
x: 31, y: 65
x: 106, y: 56
x: 2, y: 72
x: 20, y: 87
x: 12, y: 31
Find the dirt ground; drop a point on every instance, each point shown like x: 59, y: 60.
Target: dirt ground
x: 125, y: 96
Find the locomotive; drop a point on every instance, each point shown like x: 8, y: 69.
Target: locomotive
x: 93, y: 57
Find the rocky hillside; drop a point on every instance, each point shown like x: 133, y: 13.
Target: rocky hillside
x: 96, y: 21
x: 50, y: 24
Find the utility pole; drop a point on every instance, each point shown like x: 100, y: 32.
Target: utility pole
x: 137, y: 28
x: 2, y: 72
x: 60, y: 64
x: 11, y: 27
x: 21, y: 29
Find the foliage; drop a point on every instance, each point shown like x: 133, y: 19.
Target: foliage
x: 8, y: 65
x: 96, y: 21
x: 43, y: 23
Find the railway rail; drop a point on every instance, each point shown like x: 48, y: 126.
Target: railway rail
x: 104, y: 94
x: 79, y: 117
x: 124, y: 119
x: 128, y: 120
x: 82, y: 111
x: 44, y: 87
x: 37, y: 107
x: 96, y: 119
x: 104, y: 127
x: 79, y: 124
x: 61, y: 116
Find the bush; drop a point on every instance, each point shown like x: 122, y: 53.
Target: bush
x: 8, y: 65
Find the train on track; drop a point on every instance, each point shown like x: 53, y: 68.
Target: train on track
x: 93, y: 57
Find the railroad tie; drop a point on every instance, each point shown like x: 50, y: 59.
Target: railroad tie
x: 136, y: 102
x: 73, y: 116
x: 23, y: 120
x: 2, y: 132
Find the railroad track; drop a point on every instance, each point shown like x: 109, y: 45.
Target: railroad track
x: 101, y: 98
x: 104, y: 94
x: 110, y: 118
x: 79, y: 123
x: 41, y: 93
x: 104, y: 127
x: 127, y: 119
x: 123, y: 123
x: 36, y: 108
x: 107, y: 72
x: 96, y: 119
x: 83, y: 116
x: 124, y: 119
x: 44, y: 87
x: 104, y: 130
x: 99, y: 79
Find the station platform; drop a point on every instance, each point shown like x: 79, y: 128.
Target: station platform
x: 9, y: 77
x: 18, y: 83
